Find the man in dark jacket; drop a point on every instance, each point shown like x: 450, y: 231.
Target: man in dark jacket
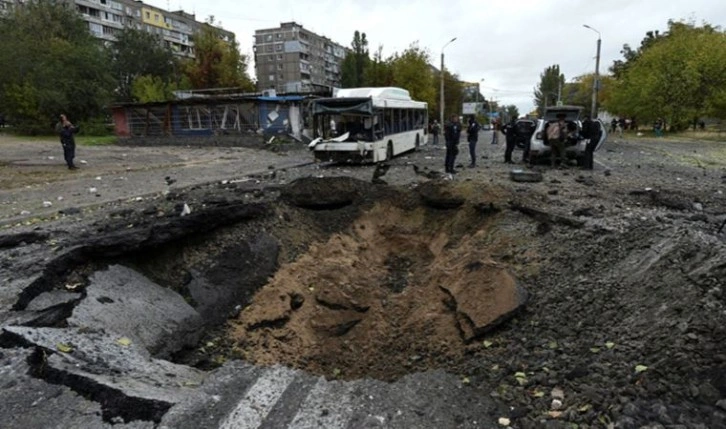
x: 452, y: 134
x: 591, y: 131
x: 472, y: 136
x: 66, y: 130
x: 510, y: 134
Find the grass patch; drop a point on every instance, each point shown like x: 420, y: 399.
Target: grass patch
x: 81, y: 139
x: 707, y: 157
x: 95, y: 140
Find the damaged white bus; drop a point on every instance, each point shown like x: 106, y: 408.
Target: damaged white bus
x: 361, y: 125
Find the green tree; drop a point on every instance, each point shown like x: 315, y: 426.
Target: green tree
x: 630, y: 55
x: 356, y: 62
x: 51, y: 64
x: 511, y: 111
x: 138, y: 53
x: 217, y: 63
x: 411, y: 70
x: 453, y: 95
x: 148, y: 89
x: 549, y: 89
x: 579, y: 92
x: 680, y: 77
x: 379, y: 71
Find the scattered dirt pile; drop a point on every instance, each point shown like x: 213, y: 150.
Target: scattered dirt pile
x: 404, y: 287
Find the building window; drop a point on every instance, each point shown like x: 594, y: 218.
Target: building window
x: 96, y: 29
x: 272, y: 78
x: 148, y: 15
x: 268, y: 38
x: 279, y: 57
x: 279, y: 66
x: 278, y: 47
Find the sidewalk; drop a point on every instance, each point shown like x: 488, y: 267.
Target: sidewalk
x: 34, y: 181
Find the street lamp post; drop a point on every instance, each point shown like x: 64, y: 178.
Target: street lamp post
x: 478, y: 94
x: 441, y: 101
x: 596, y: 81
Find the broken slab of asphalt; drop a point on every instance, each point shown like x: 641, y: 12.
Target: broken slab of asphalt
x: 121, y: 376
x: 157, y: 318
x: 483, y: 306
x: 25, y: 286
x: 30, y: 402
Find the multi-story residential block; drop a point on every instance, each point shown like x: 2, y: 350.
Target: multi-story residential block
x: 106, y: 18
x: 291, y: 59
x: 7, y: 5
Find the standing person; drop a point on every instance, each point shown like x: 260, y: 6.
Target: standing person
x: 452, y: 133
x: 658, y: 127
x: 556, y: 136
x: 495, y: 131
x: 65, y: 130
x: 472, y: 136
x: 589, y: 135
x: 510, y: 136
x: 435, y: 130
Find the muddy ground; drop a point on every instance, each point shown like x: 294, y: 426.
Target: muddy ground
x: 609, y: 283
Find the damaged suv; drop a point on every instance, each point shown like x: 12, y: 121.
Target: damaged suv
x: 574, y: 146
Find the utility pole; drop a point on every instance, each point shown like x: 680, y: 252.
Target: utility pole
x: 478, y: 94
x: 441, y: 100
x: 596, y: 80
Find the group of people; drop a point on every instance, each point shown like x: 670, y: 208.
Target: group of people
x: 562, y: 133
x: 452, y: 135
x: 558, y: 134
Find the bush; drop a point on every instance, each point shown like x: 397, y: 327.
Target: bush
x: 96, y: 127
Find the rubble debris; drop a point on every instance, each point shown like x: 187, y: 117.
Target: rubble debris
x: 543, y: 216
x: 526, y: 176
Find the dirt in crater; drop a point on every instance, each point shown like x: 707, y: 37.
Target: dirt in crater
x: 401, y: 291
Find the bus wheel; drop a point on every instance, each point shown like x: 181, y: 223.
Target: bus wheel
x: 389, y: 151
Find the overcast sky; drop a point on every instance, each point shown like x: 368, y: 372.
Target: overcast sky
x: 506, y: 43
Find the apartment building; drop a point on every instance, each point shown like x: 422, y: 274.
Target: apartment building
x: 106, y: 18
x: 291, y: 59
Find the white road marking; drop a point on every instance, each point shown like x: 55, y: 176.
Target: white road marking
x: 259, y: 400
x: 603, y: 165
x: 324, y: 396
